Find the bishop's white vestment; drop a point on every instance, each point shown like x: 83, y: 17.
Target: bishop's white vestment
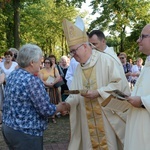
x: 94, y: 127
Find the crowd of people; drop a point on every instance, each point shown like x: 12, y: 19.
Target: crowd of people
x: 132, y: 71
x: 32, y: 92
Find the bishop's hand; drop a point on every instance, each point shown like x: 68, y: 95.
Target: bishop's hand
x: 91, y: 94
x: 63, y: 108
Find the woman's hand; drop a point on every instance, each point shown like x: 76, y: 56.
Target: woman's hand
x: 49, y: 84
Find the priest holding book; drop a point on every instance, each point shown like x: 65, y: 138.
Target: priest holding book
x: 92, y: 126
x: 138, y: 120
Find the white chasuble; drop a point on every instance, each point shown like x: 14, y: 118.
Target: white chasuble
x: 93, y: 127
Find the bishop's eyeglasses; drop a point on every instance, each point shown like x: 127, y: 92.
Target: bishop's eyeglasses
x: 73, y: 51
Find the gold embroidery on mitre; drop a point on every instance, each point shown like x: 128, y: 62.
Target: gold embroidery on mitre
x: 73, y: 34
x: 94, y: 113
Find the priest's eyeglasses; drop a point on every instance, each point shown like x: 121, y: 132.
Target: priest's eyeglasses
x: 73, y: 51
x: 143, y: 36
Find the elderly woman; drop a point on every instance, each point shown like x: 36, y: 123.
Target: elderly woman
x: 14, y: 52
x: 64, y: 67
x: 26, y: 105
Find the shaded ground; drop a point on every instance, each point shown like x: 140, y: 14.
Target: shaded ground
x: 56, y: 137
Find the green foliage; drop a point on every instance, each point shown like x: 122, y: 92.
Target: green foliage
x: 118, y: 15
x: 40, y: 23
x: 76, y: 3
x: 2, y: 34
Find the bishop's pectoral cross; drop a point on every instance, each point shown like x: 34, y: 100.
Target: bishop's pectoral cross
x: 89, y: 84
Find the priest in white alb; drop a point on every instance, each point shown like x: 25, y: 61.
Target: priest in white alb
x: 137, y: 136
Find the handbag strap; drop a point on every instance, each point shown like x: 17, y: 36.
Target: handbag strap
x: 60, y: 71
x: 54, y: 73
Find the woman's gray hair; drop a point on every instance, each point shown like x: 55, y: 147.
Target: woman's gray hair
x: 27, y: 54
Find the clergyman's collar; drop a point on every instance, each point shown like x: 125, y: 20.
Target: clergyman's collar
x: 87, y: 62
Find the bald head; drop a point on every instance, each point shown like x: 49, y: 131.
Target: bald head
x: 147, y: 27
x: 144, y: 40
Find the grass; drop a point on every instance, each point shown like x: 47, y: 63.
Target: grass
x: 55, y: 133
x: 59, y: 132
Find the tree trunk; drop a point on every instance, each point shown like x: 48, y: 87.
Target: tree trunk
x: 122, y: 39
x: 62, y: 45
x: 16, y: 4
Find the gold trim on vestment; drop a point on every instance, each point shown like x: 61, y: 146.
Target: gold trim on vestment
x: 94, y: 112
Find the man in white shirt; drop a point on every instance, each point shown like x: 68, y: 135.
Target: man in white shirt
x: 70, y: 72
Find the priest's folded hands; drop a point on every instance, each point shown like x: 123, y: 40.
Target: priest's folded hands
x: 91, y: 94
x: 63, y: 108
